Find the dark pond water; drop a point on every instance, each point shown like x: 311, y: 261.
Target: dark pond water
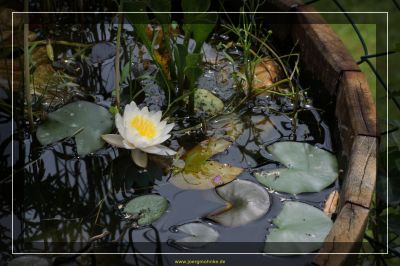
x: 62, y: 200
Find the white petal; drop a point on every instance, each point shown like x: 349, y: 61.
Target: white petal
x: 139, y: 158
x: 130, y: 108
x: 157, y: 117
x: 162, y: 138
x: 114, y: 139
x: 145, y: 111
x: 128, y: 145
x: 120, y: 125
x: 159, y: 149
x: 168, y: 128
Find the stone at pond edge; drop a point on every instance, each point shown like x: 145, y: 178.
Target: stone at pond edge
x: 308, y: 168
x: 148, y: 207
x: 300, y: 228
x: 84, y: 120
x: 207, y: 102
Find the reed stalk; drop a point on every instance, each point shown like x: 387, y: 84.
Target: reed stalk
x: 117, y: 56
x: 28, y: 96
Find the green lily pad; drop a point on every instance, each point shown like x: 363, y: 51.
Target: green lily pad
x: 210, y: 175
x: 199, y: 234
x: 148, y: 207
x: 207, y: 102
x: 246, y: 202
x: 199, y: 173
x: 308, y: 168
x: 84, y: 120
x: 301, y: 228
x: 200, y: 153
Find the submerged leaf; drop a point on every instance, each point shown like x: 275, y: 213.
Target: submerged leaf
x: 211, y: 174
x: 149, y: 208
x: 207, y: 102
x: 84, y: 120
x: 308, y: 168
x: 199, y: 173
x: 198, y: 155
x: 247, y: 202
x: 198, y: 233
x: 301, y: 228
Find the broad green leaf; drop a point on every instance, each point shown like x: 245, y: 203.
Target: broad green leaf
x: 207, y: 102
x: 300, y: 228
x: 180, y: 53
x: 210, y: 175
x: 199, y: 234
x: 199, y: 154
x: 84, y: 120
x: 199, y: 173
x: 246, y: 202
x: 149, y: 208
x: 307, y: 168
x: 125, y: 71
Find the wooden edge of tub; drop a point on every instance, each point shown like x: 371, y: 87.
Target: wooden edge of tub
x: 328, y: 61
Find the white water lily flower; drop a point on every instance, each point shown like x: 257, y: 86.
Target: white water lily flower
x: 141, y: 131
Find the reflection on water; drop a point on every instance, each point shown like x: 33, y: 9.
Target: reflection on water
x: 64, y: 203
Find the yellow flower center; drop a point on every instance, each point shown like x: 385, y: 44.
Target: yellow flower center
x: 144, y: 126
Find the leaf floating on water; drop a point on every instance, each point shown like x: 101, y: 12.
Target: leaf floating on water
x: 148, y: 208
x: 198, y: 233
x: 247, y: 202
x: 301, y: 228
x: 199, y: 154
x: 84, y: 120
x: 207, y: 102
x: 199, y: 173
x: 308, y: 168
x: 210, y: 175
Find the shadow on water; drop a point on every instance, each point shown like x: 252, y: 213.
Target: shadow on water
x: 64, y: 203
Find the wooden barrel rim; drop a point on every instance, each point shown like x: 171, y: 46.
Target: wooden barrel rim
x: 324, y: 55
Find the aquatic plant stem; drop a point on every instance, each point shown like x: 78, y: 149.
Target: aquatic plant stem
x: 28, y: 96
x: 117, y: 55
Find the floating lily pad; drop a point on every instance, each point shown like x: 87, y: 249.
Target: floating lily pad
x: 200, y: 153
x: 211, y: 174
x: 207, y: 102
x: 198, y: 233
x: 301, y: 228
x: 247, y: 202
x: 308, y: 168
x: 198, y: 173
x: 84, y: 120
x: 148, y: 207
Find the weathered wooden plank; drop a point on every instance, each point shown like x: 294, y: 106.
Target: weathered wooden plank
x: 322, y: 52
x: 360, y: 177
x: 345, y: 237
x: 355, y: 109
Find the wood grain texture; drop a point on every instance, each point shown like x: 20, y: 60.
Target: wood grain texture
x: 345, y: 237
x: 360, y: 177
x: 355, y: 109
x: 322, y: 52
